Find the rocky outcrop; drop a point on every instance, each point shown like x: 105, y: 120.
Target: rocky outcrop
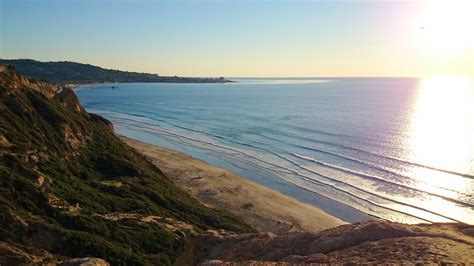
x: 15, y: 254
x: 61, y: 205
x: 4, y: 141
x: 84, y: 262
x: 102, y: 121
x: 9, y: 79
x: 169, y: 224
x: 68, y: 99
x: 74, y: 137
x: 362, y: 243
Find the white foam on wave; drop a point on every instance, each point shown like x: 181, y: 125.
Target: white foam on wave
x: 278, y: 167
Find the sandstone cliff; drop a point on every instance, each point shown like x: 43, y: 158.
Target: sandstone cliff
x: 375, y: 242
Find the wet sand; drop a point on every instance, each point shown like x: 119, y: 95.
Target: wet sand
x: 265, y: 209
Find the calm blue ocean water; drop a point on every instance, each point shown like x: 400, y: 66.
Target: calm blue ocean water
x: 394, y: 148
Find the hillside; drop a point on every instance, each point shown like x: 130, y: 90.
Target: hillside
x: 70, y: 188
x: 77, y: 73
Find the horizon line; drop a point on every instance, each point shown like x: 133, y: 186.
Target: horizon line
x: 206, y: 76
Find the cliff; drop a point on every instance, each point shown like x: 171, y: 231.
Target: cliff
x: 375, y: 242
x: 69, y: 188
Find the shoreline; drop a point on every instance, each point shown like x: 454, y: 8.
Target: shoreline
x: 265, y: 209
x: 74, y: 86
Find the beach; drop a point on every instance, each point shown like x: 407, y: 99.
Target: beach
x: 264, y: 209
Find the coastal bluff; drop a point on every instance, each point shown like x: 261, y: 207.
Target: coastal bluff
x: 72, y: 193
x: 374, y: 242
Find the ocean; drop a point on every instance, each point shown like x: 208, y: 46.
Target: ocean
x: 400, y: 149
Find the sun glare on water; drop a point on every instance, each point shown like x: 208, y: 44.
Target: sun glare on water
x: 443, y: 123
x: 442, y: 136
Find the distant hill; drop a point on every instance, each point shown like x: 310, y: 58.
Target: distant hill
x: 65, y: 72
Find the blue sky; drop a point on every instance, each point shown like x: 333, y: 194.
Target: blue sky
x: 223, y: 38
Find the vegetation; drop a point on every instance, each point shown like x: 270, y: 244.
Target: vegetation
x: 61, y: 173
x: 76, y: 73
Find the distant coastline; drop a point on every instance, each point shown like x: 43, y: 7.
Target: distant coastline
x: 65, y: 72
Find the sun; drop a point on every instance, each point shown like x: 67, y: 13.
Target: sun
x: 446, y: 27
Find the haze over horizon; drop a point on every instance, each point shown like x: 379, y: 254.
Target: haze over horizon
x: 242, y: 38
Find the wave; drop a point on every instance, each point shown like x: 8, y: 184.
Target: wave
x: 286, y: 170
x: 294, y: 154
x: 206, y: 142
x: 382, y: 180
x: 367, y: 164
x: 221, y: 153
x: 371, y: 177
x: 339, y: 137
x: 313, y: 149
x: 397, y: 160
x: 307, y: 178
x: 371, y: 193
x: 366, y: 209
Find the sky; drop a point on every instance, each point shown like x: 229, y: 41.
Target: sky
x: 246, y: 38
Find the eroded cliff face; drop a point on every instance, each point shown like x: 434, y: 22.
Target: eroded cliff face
x: 68, y: 99
x: 374, y: 242
x: 11, y: 82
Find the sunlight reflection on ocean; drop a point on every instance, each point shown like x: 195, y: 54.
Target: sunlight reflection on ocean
x: 442, y: 135
x: 401, y: 149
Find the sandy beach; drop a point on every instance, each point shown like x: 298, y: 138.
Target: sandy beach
x: 265, y: 209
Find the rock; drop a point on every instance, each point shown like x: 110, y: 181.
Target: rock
x: 378, y: 242
x: 211, y: 192
x: 85, y: 262
x: 102, y: 121
x: 61, y: 205
x: 212, y: 263
x: 169, y: 224
x: 247, y: 205
x: 39, y: 181
x: 4, y: 141
x: 16, y: 254
x: 68, y: 98
x: 73, y: 137
x: 13, y: 82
